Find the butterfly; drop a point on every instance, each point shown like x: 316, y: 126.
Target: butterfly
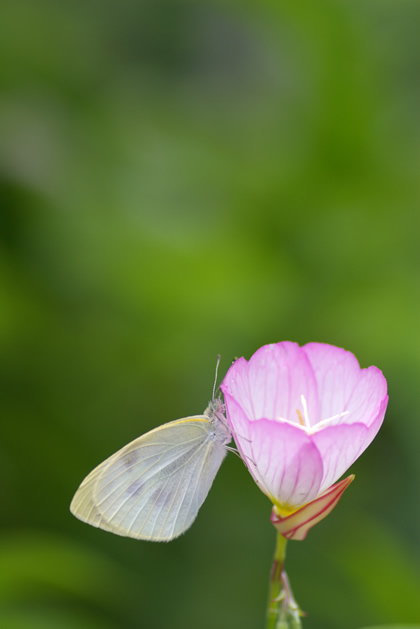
x: 153, y: 487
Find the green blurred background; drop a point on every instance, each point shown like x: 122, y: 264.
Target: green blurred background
x: 182, y: 179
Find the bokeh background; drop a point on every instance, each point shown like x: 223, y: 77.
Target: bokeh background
x: 177, y: 180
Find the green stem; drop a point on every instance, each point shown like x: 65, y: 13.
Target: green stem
x: 282, y: 610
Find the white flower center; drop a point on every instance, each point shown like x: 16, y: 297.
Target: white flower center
x: 304, y: 422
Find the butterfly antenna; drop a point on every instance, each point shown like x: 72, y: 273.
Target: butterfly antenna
x: 215, y: 376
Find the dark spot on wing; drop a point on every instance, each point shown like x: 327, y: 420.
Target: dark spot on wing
x: 129, y: 458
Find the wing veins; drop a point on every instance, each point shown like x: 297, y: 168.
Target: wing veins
x: 174, y: 497
x: 160, y: 493
x: 125, y: 469
x: 147, y: 489
x: 209, y: 445
x: 182, y: 502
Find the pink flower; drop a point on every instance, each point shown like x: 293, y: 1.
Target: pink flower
x: 300, y: 417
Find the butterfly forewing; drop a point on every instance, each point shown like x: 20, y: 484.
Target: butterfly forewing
x: 153, y: 487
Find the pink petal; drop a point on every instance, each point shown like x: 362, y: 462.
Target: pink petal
x: 278, y: 375
x: 367, y: 397
x: 343, y: 386
x: 341, y: 445
x: 239, y: 425
x: 287, y: 462
x: 236, y: 385
x: 337, y: 373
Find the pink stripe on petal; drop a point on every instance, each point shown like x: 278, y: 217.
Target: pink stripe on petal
x: 287, y: 461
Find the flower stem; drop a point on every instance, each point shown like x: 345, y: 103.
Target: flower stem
x: 282, y: 609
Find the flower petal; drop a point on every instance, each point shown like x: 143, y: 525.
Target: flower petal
x: 236, y: 385
x: 368, y: 397
x: 287, y: 462
x: 239, y: 425
x: 337, y: 372
x: 344, y: 386
x: 341, y: 445
x: 279, y: 375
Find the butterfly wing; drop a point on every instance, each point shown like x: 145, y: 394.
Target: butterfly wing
x: 154, y: 487
x: 83, y: 505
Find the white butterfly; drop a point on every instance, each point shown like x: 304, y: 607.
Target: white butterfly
x: 153, y: 488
